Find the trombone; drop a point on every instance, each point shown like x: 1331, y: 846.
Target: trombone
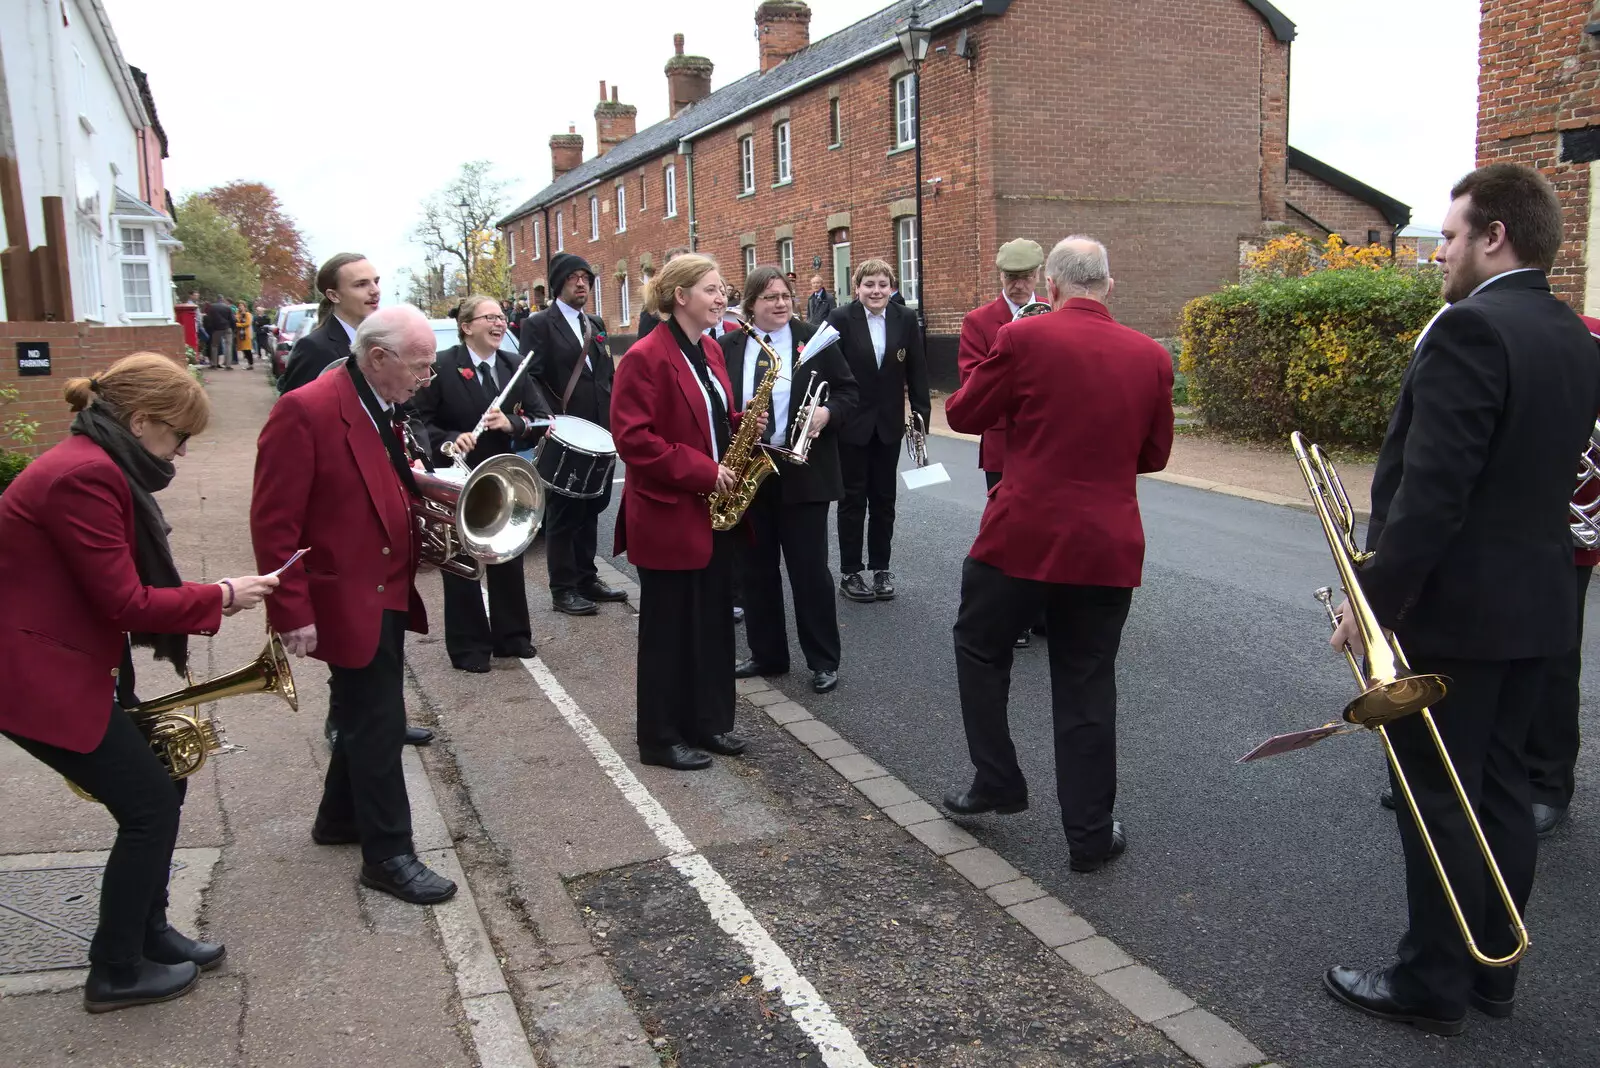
x: 1389, y: 690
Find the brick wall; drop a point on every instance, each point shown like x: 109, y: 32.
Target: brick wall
x: 1349, y: 217
x: 76, y: 350
x: 1539, y: 75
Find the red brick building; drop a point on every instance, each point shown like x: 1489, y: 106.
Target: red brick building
x: 1162, y: 129
x: 1539, y: 104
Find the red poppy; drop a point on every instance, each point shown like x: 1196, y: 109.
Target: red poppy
x: 466, y: 372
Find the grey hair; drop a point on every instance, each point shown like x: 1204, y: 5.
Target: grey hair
x: 1079, y: 264
x: 385, y: 329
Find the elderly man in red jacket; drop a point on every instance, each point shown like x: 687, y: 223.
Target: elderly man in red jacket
x: 332, y: 473
x: 1089, y: 407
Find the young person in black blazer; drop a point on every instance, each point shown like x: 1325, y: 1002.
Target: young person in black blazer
x: 349, y: 286
x: 1472, y: 570
x: 571, y: 525
x: 789, y: 515
x: 468, y: 377
x: 869, y: 440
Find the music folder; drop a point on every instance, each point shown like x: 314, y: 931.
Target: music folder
x: 922, y: 477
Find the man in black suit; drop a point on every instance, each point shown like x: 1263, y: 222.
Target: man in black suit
x: 349, y: 286
x: 468, y: 378
x: 884, y: 349
x: 820, y: 304
x: 789, y: 515
x: 1471, y: 568
x: 576, y: 380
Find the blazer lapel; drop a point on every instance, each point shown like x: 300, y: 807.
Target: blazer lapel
x: 735, y: 361
x: 372, y: 458
x: 689, y: 383
x: 893, y: 335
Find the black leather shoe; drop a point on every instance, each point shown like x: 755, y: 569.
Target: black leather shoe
x: 676, y: 757
x: 599, y: 592
x: 738, y: 615
x: 170, y: 946
x: 408, y: 879
x: 478, y: 664
x: 573, y: 603
x: 1386, y: 799
x: 113, y: 986
x: 334, y: 836
x: 824, y: 681
x: 1022, y: 642
x: 418, y: 735
x: 749, y: 669
x: 1547, y: 818
x: 725, y: 744
x: 970, y: 803
x: 882, y: 586
x: 522, y: 651
x: 1372, y: 991
x: 856, y: 588
x: 1499, y: 1008
x: 1119, y: 846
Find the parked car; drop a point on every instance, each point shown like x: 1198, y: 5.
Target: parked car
x: 294, y: 320
x: 446, y: 335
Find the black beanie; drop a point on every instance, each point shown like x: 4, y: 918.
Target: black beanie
x: 564, y: 266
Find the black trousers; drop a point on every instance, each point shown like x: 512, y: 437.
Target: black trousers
x: 799, y: 533
x: 571, y: 529
x: 869, y: 473
x: 1085, y: 631
x: 685, y: 671
x: 1553, y: 738
x: 365, y: 787
x: 124, y: 775
x: 469, y: 630
x: 1484, y: 722
x: 991, y: 479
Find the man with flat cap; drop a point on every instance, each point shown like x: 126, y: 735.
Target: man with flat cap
x: 572, y: 365
x: 1019, y: 261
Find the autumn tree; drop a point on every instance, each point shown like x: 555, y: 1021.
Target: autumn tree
x: 276, y: 244
x: 457, y: 222
x: 214, y: 252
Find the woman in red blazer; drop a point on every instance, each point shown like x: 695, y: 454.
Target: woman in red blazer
x: 86, y: 568
x: 672, y: 424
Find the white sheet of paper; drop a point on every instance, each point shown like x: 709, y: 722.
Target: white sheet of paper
x: 922, y: 477
x: 825, y: 336
x: 289, y: 561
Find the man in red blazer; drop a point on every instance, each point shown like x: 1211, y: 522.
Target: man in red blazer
x: 1089, y: 405
x: 332, y: 474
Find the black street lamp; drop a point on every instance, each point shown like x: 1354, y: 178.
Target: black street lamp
x: 914, y: 39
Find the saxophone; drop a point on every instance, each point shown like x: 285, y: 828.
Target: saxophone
x: 745, y: 457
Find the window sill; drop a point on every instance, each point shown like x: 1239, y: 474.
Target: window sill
x: 836, y: 144
x: 912, y: 147
x: 86, y: 123
x: 782, y: 183
x: 747, y: 193
x: 670, y: 215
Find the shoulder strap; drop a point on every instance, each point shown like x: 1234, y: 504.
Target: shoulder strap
x: 577, y: 364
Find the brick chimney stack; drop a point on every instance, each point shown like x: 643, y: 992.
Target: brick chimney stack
x: 566, y: 152
x: 688, y: 77
x: 614, y: 122
x: 783, y: 28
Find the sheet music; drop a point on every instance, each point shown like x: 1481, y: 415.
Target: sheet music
x: 289, y: 561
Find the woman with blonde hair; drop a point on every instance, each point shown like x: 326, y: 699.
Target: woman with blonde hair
x: 672, y: 419
x: 87, y: 570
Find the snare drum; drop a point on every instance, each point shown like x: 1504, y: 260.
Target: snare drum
x: 576, y: 458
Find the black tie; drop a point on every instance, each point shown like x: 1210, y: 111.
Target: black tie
x: 486, y: 374
x: 763, y: 365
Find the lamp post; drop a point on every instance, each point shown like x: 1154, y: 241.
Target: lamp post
x: 914, y: 39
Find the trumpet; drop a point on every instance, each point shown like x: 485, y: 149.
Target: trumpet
x: 805, y: 415
x: 1390, y: 690
x: 916, y: 440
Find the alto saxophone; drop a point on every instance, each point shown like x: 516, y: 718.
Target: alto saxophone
x: 745, y: 457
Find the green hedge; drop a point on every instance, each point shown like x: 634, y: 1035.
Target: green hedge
x: 1323, y: 353
x: 11, y: 465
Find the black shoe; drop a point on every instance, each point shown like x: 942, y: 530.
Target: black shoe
x: 824, y: 681
x: 676, y: 757
x: 170, y: 946
x: 476, y: 663
x: 1386, y: 799
x: 738, y: 615
x: 112, y: 986
x: 724, y: 744
x: 418, y: 735
x: 408, y: 879
x: 1546, y: 818
x: 749, y: 669
x: 334, y: 836
x: 1022, y: 642
x: 600, y: 593
x: 1372, y: 991
x: 882, y: 586
x: 856, y: 588
x: 572, y: 603
x: 518, y: 651
x: 1119, y: 846
x: 1499, y: 1008
x: 971, y: 803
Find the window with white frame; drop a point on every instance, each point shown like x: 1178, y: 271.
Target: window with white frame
x: 747, y: 165
x: 511, y: 246
x: 644, y: 193
x: 599, y: 299
x: 138, y: 298
x: 670, y: 185
x: 835, y: 124
x: 533, y: 226
x: 561, y: 234
x: 89, y: 257
x: 622, y: 209
x: 749, y: 260
x: 594, y: 218
x: 906, y: 244
x: 780, y: 153
x: 626, y: 307
x: 905, y: 111
x: 786, y: 254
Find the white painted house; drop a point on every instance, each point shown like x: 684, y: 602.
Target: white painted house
x: 84, y: 129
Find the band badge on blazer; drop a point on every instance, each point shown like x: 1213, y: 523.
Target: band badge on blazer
x: 900, y: 355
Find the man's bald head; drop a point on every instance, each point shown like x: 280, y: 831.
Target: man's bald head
x: 1078, y: 267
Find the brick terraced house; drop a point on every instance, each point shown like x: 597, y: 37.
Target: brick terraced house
x: 1539, y: 104
x: 1161, y: 128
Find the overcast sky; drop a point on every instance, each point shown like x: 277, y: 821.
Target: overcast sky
x: 355, y: 112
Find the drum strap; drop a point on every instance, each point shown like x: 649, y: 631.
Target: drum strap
x: 577, y: 365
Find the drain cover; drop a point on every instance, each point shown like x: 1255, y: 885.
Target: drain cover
x: 47, y: 917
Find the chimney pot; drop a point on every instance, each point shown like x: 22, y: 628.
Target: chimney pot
x: 677, y: 44
x: 602, y: 90
x: 613, y: 94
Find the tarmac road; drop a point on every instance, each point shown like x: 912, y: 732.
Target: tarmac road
x: 1242, y: 882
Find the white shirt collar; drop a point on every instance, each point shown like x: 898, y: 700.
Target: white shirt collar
x: 566, y: 309
x: 348, y: 329
x: 1014, y: 306
x: 1502, y: 274
x: 876, y: 315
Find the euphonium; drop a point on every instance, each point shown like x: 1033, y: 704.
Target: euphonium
x: 745, y: 457
x: 471, y: 516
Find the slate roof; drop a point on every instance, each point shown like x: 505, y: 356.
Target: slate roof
x: 130, y: 205
x: 1394, y: 211
x: 853, y: 42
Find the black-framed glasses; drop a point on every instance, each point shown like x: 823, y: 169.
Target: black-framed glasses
x: 497, y: 318
x: 776, y: 298
x: 183, y: 436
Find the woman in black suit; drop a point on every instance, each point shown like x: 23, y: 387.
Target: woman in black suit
x: 883, y: 344
x: 789, y: 515
x: 467, y: 378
